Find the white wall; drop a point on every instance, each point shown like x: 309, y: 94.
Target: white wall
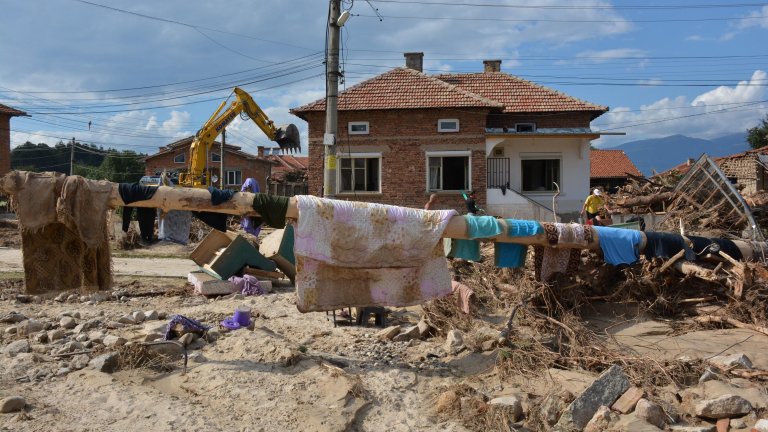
x: 574, y: 185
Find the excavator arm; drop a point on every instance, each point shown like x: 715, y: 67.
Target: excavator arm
x: 286, y: 136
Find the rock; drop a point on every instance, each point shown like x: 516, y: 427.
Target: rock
x: 138, y: 317
x: 472, y: 406
x: 72, y: 298
x: 707, y: 428
x: 57, y: 334
x: 171, y: 350
x: 12, y: 330
x: 29, y: 327
x: 725, y: 406
x: 150, y: 315
x: 79, y: 361
x: 407, y: 334
x: 650, y: 412
x: 738, y: 423
x: 448, y: 401
x: 67, y: 322
x: 731, y: 361
x: 723, y: 425
x: 631, y: 423
x: 96, y: 336
x: 761, y: 426
x: 12, y: 318
x: 551, y: 408
x: 61, y: 297
x: 149, y: 337
x: 708, y: 375
x: 81, y: 337
x: 63, y: 371
x: 602, y: 420
x: 454, y: 342
x: 187, y: 339
x: 197, y: 358
x: 112, y: 325
x: 510, y: 404
x: 106, y: 363
x: 424, y: 328
x: 126, y: 319
x: 488, y: 345
x: 40, y: 337
x: 628, y: 400
x: 20, y: 346
x: 12, y: 404
x: 603, y: 391
x: 113, y: 341
x: 388, y: 333
x: 197, y: 344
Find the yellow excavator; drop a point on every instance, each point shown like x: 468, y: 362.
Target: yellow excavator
x: 286, y: 136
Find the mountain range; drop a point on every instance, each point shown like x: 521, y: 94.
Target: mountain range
x: 661, y: 154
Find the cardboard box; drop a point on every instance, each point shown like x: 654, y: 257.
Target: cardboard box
x: 278, y: 246
x: 225, y: 254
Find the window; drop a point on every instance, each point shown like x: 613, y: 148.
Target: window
x: 448, y: 125
x: 180, y: 158
x: 358, y: 128
x: 234, y: 178
x: 448, y: 171
x: 539, y: 174
x: 525, y: 127
x: 215, y: 157
x: 360, y: 173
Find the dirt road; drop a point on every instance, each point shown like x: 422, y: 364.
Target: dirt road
x: 11, y: 261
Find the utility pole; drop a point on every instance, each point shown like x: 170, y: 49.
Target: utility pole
x: 72, y: 158
x: 221, y: 158
x: 331, y: 101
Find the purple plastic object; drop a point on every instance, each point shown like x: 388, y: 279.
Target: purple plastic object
x: 230, y: 324
x: 242, y: 316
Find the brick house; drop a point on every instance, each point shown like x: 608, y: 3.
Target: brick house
x: 609, y: 169
x: 405, y: 134
x: 238, y: 165
x: 6, y: 113
x: 748, y: 170
x: 289, y: 174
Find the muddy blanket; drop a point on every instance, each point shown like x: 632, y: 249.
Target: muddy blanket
x: 360, y: 254
x: 64, y: 233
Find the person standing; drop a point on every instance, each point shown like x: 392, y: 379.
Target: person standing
x: 593, y: 205
x: 471, y: 204
x: 430, y: 205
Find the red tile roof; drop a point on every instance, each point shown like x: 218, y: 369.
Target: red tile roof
x: 186, y: 142
x: 403, y: 88
x: 610, y: 163
x: 287, y: 163
x: 685, y: 166
x: 6, y: 110
x: 518, y: 95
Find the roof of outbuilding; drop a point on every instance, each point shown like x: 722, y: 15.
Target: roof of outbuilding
x: 611, y: 163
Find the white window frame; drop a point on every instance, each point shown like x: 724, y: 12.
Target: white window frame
x: 451, y: 153
x: 357, y: 156
x: 358, y: 123
x: 440, y: 125
x: 183, y: 158
x: 541, y: 156
x: 234, y: 172
x: 532, y: 125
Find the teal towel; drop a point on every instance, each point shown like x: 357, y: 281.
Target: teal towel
x: 483, y: 226
x: 466, y: 249
x: 512, y: 254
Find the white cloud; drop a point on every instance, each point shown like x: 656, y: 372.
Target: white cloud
x: 651, y: 82
x: 758, y: 18
x: 711, y: 114
x: 611, y: 54
x: 696, y: 38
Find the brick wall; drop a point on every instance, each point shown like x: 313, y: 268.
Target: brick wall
x: 256, y: 168
x: 403, y: 137
x: 5, y: 144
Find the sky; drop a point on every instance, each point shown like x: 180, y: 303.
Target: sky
x: 141, y: 74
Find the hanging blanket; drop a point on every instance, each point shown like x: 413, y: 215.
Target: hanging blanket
x: 361, y: 254
x: 551, y: 260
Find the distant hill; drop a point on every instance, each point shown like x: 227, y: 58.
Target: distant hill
x: 662, y: 154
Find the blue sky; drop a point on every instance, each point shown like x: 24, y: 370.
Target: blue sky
x: 145, y: 73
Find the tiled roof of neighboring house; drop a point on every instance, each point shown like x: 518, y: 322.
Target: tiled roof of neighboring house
x: 403, y: 88
x: 186, y: 142
x: 611, y: 163
x: 6, y: 110
x: 287, y: 163
x: 685, y: 166
x: 519, y: 95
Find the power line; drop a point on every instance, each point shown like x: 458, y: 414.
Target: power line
x: 576, y: 7
x: 585, y: 21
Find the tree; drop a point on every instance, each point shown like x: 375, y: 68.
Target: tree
x: 758, y: 136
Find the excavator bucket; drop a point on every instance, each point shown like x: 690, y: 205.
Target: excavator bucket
x: 288, y: 138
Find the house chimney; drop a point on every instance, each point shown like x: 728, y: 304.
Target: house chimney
x: 491, y: 65
x: 414, y: 60
x: 261, y: 151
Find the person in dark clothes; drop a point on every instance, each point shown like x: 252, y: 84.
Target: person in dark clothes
x: 471, y: 203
